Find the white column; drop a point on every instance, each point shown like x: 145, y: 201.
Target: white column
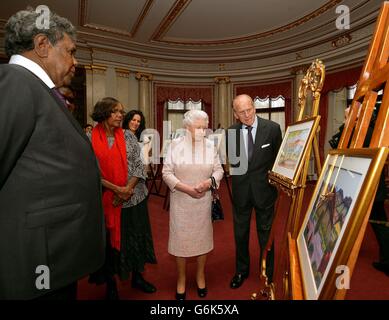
x: 111, y: 83
x: 123, y: 87
x: 145, y: 98
x: 133, y: 96
x: 223, y: 102
x: 95, y: 87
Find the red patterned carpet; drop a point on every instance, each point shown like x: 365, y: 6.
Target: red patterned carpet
x: 366, y: 282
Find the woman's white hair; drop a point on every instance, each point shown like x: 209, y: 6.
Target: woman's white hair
x: 192, y: 115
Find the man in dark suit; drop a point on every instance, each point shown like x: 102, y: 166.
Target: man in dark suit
x: 51, y: 218
x: 255, y: 142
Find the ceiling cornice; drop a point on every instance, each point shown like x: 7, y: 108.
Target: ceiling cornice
x: 175, y: 12
x: 118, y: 47
x: 83, y: 21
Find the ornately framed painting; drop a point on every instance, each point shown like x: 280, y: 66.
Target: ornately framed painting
x: 289, y: 161
x: 334, y: 217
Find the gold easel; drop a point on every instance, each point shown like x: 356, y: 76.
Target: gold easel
x: 310, y: 86
x: 374, y: 76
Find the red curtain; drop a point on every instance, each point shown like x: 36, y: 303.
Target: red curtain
x: 272, y: 90
x: 164, y: 93
x: 333, y: 81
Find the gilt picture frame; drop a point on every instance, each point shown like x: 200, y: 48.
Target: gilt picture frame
x: 333, y: 220
x: 290, y: 158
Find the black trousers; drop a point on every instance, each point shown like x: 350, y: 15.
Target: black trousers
x: 242, y: 218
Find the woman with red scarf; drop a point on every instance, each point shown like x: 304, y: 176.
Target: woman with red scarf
x: 124, y: 199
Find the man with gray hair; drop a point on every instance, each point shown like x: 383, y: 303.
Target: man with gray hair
x: 51, y: 218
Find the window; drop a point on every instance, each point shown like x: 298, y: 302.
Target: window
x: 271, y: 109
x: 175, y: 112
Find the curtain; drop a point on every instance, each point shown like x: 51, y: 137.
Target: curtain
x: 162, y: 93
x: 272, y: 90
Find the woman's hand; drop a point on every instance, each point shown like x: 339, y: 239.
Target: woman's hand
x: 124, y: 193
x: 190, y: 190
x: 203, y: 186
x: 195, y: 193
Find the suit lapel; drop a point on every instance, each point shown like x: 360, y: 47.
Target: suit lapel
x: 68, y: 115
x: 63, y: 108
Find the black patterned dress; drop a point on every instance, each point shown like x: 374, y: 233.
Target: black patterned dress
x: 137, y: 247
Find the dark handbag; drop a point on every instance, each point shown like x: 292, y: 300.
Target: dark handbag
x: 217, y: 210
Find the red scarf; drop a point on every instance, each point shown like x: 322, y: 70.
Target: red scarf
x: 113, y: 168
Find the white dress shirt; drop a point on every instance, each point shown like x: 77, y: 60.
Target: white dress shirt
x: 253, y: 132
x: 33, y: 67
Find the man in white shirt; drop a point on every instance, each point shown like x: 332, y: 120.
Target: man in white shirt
x: 261, y: 140
x: 51, y: 219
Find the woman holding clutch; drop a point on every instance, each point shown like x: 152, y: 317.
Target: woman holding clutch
x: 190, y: 163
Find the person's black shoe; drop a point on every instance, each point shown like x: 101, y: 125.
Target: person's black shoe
x: 383, y: 267
x: 238, y: 279
x: 202, y: 292
x: 180, y: 296
x: 139, y: 283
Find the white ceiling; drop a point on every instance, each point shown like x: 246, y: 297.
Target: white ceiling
x: 197, y: 30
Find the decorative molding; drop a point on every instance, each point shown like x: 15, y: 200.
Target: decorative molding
x: 299, y: 56
x: 302, y: 69
x: 141, y: 17
x: 222, y: 66
x: 107, y: 29
x: 143, y: 76
x: 221, y: 80
x: 144, y: 62
x: 174, y: 12
x: 172, y: 16
x: 341, y: 41
x: 120, y: 50
x: 98, y: 69
x: 82, y: 20
x: 87, y: 67
x: 124, y: 73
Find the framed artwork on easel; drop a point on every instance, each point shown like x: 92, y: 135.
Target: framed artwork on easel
x: 289, y: 161
x: 334, y: 216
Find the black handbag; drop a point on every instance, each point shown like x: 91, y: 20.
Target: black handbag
x: 217, y: 210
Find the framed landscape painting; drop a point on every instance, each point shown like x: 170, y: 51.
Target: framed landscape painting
x: 335, y: 214
x: 298, y: 136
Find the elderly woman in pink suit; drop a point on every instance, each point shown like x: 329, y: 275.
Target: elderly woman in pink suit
x: 190, y: 163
